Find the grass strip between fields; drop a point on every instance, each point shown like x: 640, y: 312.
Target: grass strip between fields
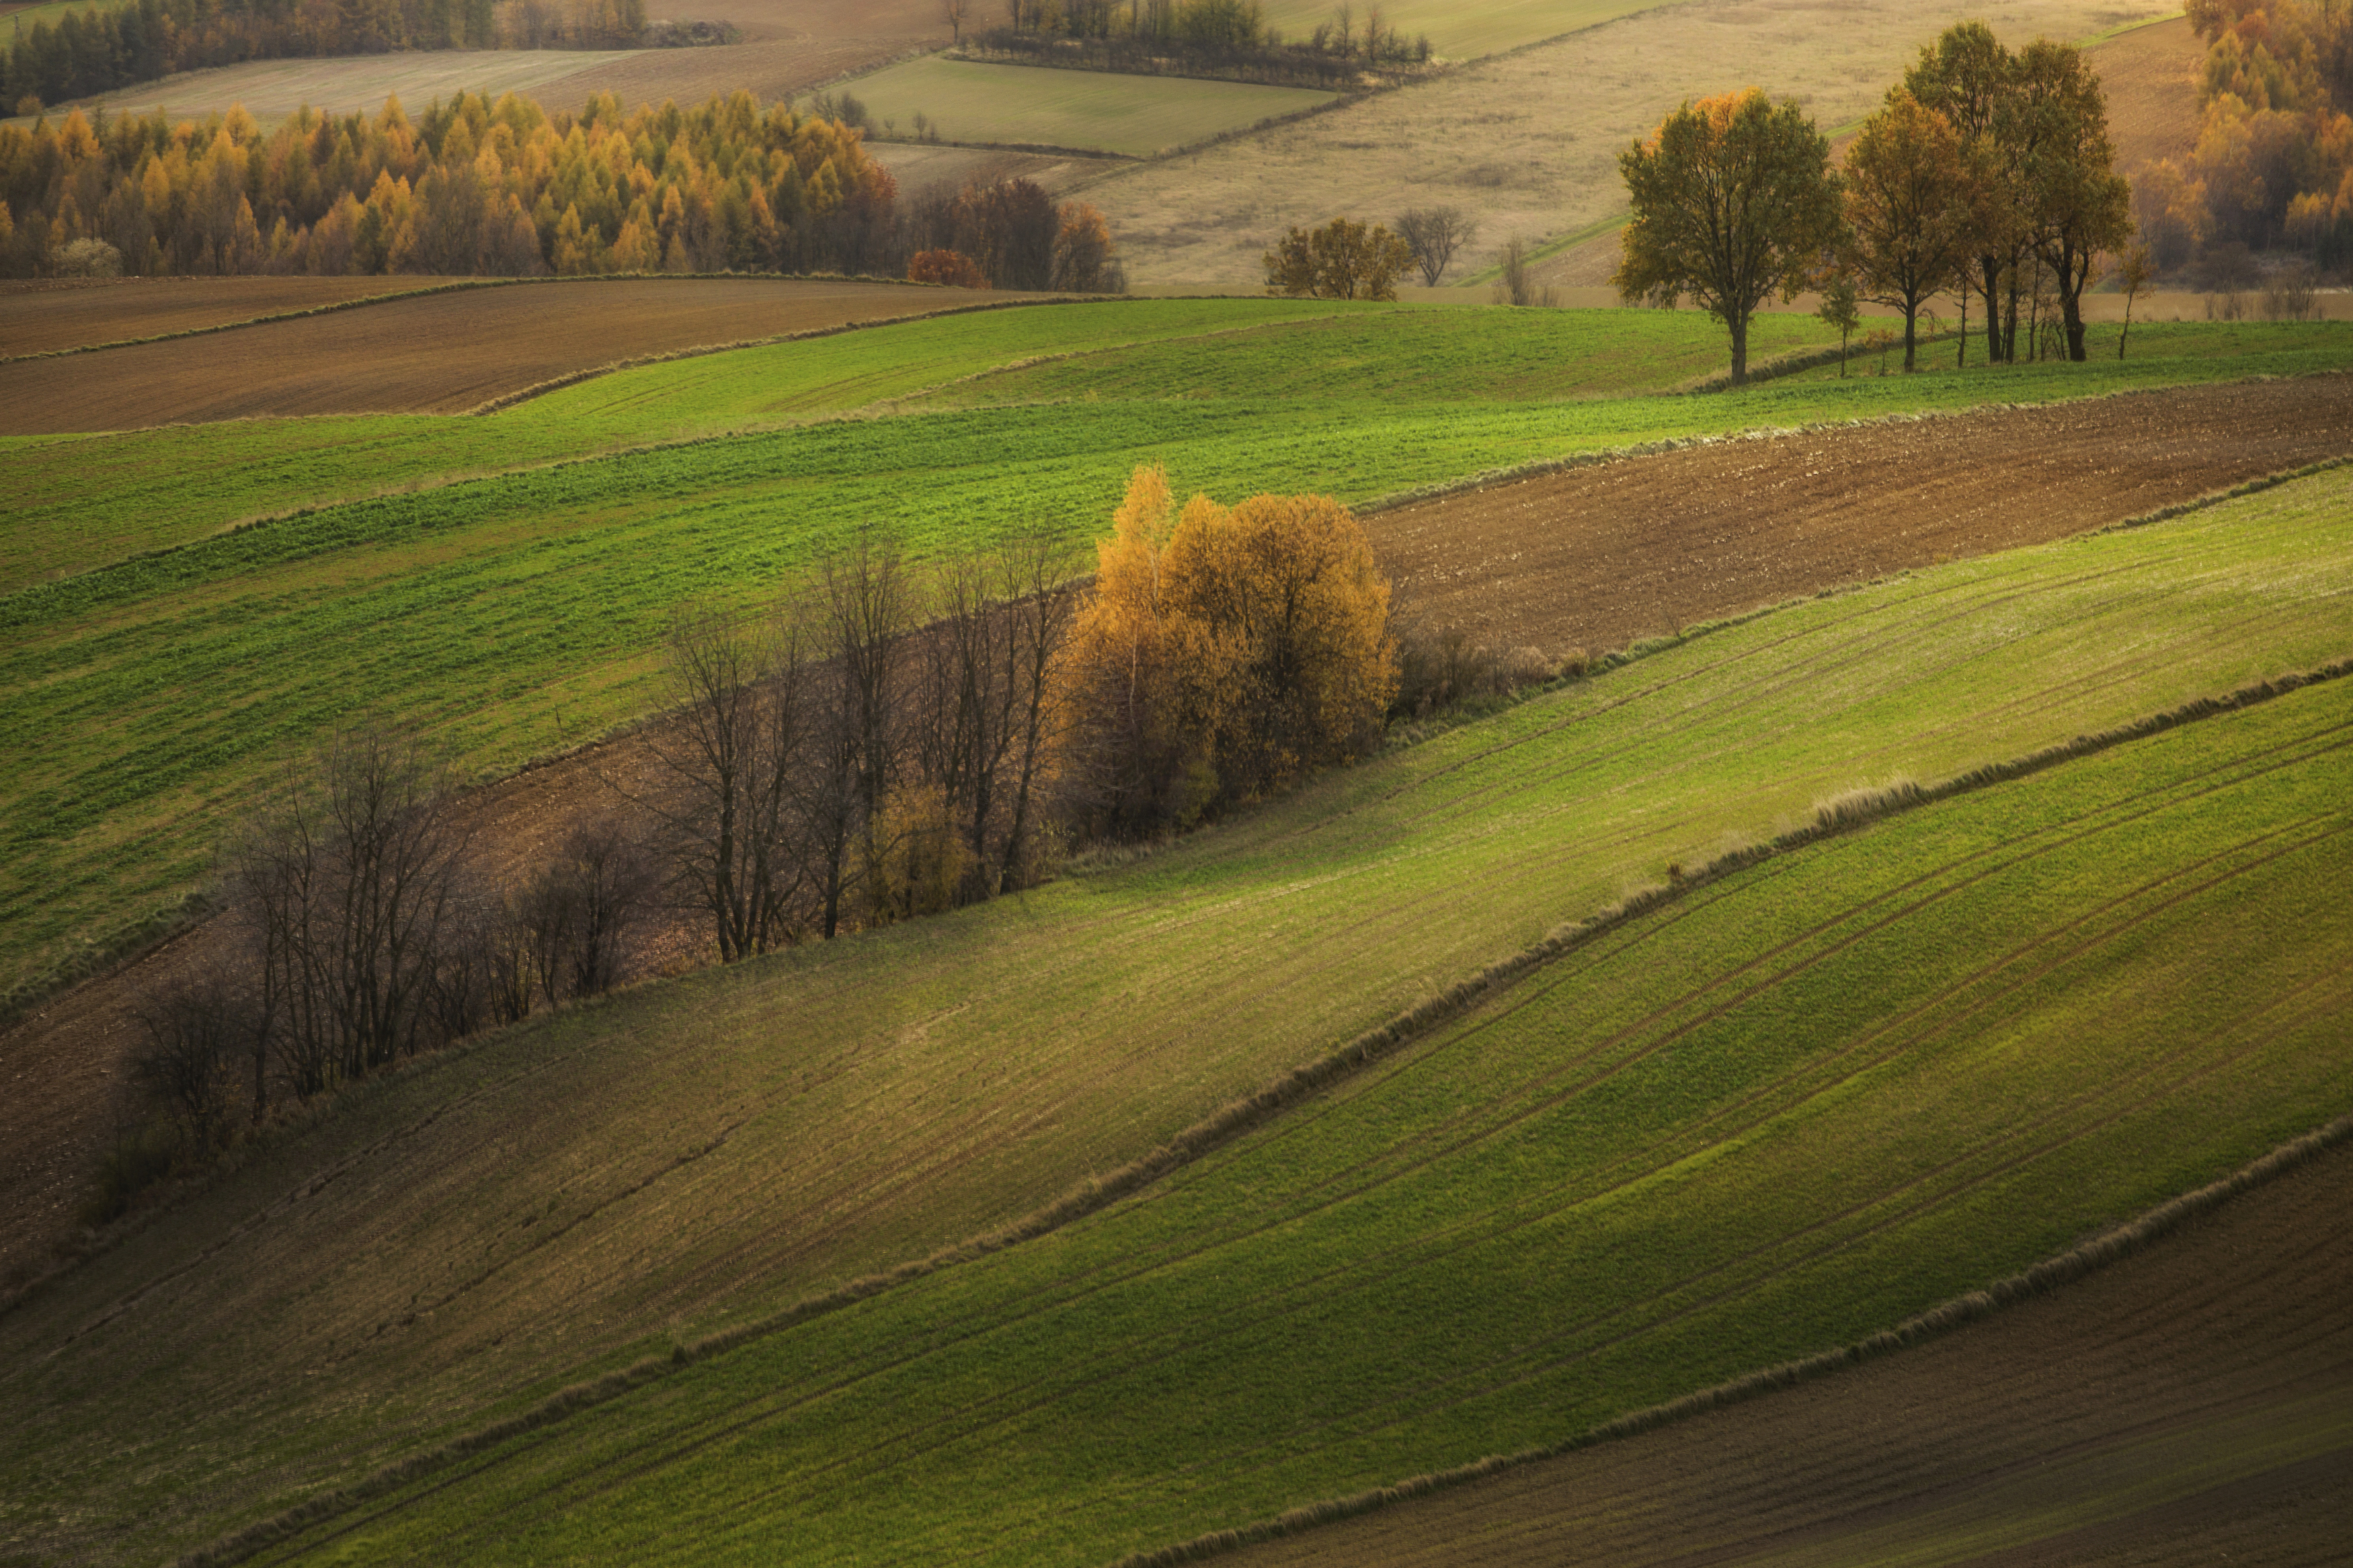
x: 1845, y: 816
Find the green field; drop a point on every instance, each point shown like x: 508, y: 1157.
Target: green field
x: 511, y: 1216
x: 514, y: 613
x: 1794, y: 1107
x: 1464, y: 31
x: 1086, y: 111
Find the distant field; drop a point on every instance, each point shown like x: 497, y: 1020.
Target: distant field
x: 995, y: 1056
x: 1529, y: 143
x: 272, y: 89
x: 1793, y: 1108
x: 440, y: 353
x: 1086, y: 110
x: 1463, y: 31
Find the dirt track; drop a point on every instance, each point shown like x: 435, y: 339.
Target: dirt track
x: 2190, y: 1404
x: 443, y: 354
x: 1593, y: 558
x: 1596, y: 558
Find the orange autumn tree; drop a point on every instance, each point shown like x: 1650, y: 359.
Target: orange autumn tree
x: 1225, y: 655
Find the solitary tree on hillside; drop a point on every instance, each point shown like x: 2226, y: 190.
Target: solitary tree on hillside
x: 1342, y: 261
x: 956, y: 11
x: 1908, y: 208
x: 1734, y: 199
x: 1434, y: 234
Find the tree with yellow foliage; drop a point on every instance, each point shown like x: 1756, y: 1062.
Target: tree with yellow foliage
x: 1226, y: 656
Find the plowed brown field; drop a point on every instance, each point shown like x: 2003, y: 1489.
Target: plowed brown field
x: 1594, y: 557
x: 442, y: 353
x: 1597, y: 557
x: 2193, y: 1404
x: 59, y: 313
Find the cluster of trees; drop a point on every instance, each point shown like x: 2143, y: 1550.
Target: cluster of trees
x: 1341, y: 260
x: 498, y: 188
x: 1010, y: 234
x: 885, y: 745
x: 100, y: 48
x: 364, y: 929
x: 2273, y: 161
x: 1218, y: 37
x: 1987, y: 171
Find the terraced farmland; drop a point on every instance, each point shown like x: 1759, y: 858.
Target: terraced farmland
x: 1793, y: 1107
x: 516, y: 613
x: 613, y: 1180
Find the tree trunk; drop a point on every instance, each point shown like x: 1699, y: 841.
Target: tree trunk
x: 1992, y: 270
x: 2074, y: 275
x: 1911, y: 336
x: 1739, y: 325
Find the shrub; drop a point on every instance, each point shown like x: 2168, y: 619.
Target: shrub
x: 953, y: 268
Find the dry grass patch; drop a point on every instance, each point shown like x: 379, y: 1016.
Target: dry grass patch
x: 1529, y: 142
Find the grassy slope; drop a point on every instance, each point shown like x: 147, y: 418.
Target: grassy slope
x: 517, y: 612
x: 1797, y: 1106
x: 509, y: 1216
x: 1093, y: 112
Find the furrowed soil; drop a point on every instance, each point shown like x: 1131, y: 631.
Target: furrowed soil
x: 46, y: 316
x: 2193, y: 1404
x: 1593, y: 558
x: 442, y: 353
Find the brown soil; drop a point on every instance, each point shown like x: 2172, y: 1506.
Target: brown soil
x: 1596, y: 558
x: 1592, y: 558
x: 2190, y: 1404
x: 61, y: 314
x: 443, y: 354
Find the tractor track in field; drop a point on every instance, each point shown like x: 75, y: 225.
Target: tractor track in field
x: 2239, y: 1315
x: 561, y: 1493
x: 1688, y: 536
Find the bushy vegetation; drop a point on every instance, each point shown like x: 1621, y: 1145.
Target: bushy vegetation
x: 475, y: 187
x: 2273, y: 161
x: 1229, y: 38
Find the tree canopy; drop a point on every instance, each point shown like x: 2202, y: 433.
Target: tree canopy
x: 1341, y: 260
x: 1734, y: 201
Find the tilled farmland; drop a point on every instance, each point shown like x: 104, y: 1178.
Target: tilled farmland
x: 56, y: 314
x: 1595, y: 558
x: 2186, y: 1406
x: 439, y: 353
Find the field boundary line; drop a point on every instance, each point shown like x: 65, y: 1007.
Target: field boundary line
x: 507, y: 400
x: 1844, y: 814
x: 460, y: 286
x: 2110, y: 1246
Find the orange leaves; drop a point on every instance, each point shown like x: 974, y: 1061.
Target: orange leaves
x: 1226, y: 656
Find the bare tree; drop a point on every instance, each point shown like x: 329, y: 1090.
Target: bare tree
x: 956, y: 11
x: 982, y: 713
x: 743, y: 689
x: 347, y: 875
x: 609, y: 883
x: 192, y: 1030
x: 1434, y: 234
x: 868, y: 609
